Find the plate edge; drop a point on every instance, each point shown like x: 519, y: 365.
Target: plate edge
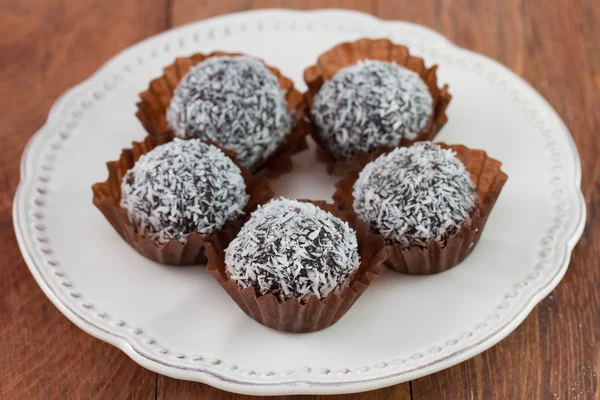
x: 122, y: 343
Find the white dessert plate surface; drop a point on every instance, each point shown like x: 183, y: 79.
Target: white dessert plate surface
x: 179, y: 322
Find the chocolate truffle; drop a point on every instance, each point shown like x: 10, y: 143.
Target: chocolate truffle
x: 415, y: 195
x: 293, y: 249
x: 369, y: 104
x: 233, y: 101
x: 182, y: 187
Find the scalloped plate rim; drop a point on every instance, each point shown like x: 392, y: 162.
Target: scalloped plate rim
x: 300, y: 386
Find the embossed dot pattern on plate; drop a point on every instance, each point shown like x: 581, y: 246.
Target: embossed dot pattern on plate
x: 551, y: 246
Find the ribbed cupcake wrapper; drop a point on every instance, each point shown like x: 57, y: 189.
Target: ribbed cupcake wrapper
x: 291, y: 315
x: 489, y: 180
x: 107, y: 198
x: 346, y: 54
x: 155, y: 101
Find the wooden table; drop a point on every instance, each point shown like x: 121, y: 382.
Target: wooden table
x: 50, y: 45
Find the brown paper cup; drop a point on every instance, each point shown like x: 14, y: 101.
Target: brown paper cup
x: 346, y: 54
x: 489, y: 180
x: 107, y: 197
x: 154, y: 102
x: 291, y: 315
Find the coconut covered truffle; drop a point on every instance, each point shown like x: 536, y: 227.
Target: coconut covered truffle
x: 415, y: 195
x: 369, y: 104
x: 234, y: 101
x: 293, y: 249
x: 182, y: 187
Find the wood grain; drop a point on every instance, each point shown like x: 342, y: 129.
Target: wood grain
x: 48, y: 46
x: 186, y: 11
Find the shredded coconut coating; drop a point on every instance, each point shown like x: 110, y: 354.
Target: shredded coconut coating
x: 293, y: 249
x: 369, y: 104
x: 414, y: 195
x: 235, y: 102
x: 182, y: 187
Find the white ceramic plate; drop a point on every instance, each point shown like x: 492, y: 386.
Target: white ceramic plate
x: 178, y: 322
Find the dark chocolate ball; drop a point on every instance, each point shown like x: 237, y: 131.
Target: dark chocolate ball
x: 233, y: 101
x: 182, y: 187
x: 415, y: 195
x: 369, y: 104
x: 293, y: 249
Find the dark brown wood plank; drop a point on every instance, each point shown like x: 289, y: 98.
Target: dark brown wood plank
x: 47, y: 47
x: 186, y: 11
x: 173, y: 389
x: 554, y: 353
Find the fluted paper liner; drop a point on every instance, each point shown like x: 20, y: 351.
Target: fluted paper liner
x: 154, y: 102
x: 291, y: 315
x: 107, y: 198
x: 346, y: 54
x: 489, y: 180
